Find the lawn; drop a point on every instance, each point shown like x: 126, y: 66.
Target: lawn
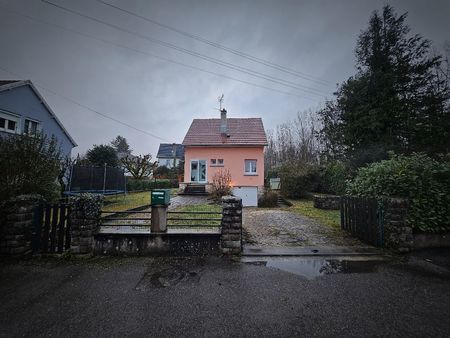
x: 130, y: 200
x: 196, y: 208
x: 305, y: 207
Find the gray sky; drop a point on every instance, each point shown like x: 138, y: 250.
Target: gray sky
x: 312, y: 37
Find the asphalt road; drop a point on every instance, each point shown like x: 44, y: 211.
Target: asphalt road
x: 217, y: 297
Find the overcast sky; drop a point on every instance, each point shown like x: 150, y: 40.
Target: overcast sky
x: 114, y: 72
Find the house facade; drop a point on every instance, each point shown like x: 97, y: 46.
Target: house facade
x: 232, y: 144
x: 170, y: 155
x: 24, y: 111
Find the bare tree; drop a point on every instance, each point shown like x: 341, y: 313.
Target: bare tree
x: 139, y: 166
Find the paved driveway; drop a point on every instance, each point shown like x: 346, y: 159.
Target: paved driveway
x: 181, y: 200
x: 273, y: 227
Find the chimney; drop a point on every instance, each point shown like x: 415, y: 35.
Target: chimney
x: 223, y: 122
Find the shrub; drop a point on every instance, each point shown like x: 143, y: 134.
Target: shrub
x: 423, y: 181
x: 298, y: 180
x: 29, y: 165
x: 221, y: 184
x: 268, y: 200
x: 334, y: 177
x: 149, y: 184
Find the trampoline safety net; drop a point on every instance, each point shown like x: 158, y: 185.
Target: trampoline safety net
x: 96, y: 179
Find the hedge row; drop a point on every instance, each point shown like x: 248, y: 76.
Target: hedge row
x: 424, y: 181
x: 139, y: 185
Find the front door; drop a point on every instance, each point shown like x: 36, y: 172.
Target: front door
x: 198, y: 171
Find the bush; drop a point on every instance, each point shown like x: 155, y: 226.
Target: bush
x: 268, y: 200
x: 29, y: 165
x: 298, y: 180
x: 149, y: 184
x: 423, y: 181
x: 221, y: 184
x: 333, y: 178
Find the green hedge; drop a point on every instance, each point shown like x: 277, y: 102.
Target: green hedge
x: 425, y: 182
x: 141, y: 185
x: 298, y: 180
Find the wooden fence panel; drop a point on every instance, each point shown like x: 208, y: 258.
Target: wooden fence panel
x: 362, y: 217
x: 51, y: 233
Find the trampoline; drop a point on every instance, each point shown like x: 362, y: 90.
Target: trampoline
x: 96, y: 180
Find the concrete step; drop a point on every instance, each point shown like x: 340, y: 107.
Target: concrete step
x: 266, y: 251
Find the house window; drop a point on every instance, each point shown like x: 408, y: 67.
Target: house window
x: 30, y: 127
x: 8, y: 123
x: 217, y: 162
x: 250, y: 167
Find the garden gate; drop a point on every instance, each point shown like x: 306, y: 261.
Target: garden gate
x: 363, y: 218
x: 51, y: 228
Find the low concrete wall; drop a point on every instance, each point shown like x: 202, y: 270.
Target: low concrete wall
x: 157, y: 244
x: 424, y: 241
x: 327, y: 202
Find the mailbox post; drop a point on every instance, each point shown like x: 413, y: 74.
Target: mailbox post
x: 160, y: 200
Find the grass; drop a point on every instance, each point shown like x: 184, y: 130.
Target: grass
x: 130, y: 201
x: 305, y: 207
x: 196, y: 208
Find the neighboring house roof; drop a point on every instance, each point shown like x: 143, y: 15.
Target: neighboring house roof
x: 241, y: 132
x: 11, y: 84
x: 166, y: 150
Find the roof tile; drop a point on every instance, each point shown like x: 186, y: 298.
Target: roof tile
x: 241, y: 131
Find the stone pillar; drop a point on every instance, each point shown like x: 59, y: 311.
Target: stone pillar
x: 398, y: 235
x: 84, y: 222
x: 16, y: 224
x: 231, y: 236
x: 159, y: 218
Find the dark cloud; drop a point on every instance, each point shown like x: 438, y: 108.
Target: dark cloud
x: 314, y: 37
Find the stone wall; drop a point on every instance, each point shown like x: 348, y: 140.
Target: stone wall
x: 231, y: 237
x: 16, y: 225
x: 329, y: 202
x: 398, y: 235
x: 84, y: 222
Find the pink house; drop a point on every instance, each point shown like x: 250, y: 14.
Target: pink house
x: 236, y: 144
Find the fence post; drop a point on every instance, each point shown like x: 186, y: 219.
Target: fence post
x: 84, y: 221
x: 17, y: 226
x: 159, y: 218
x: 231, y: 232
x: 398, y: 234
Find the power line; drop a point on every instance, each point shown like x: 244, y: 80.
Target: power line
x: 229, y: 65
x: 157, y: 56
x: 228, y: 49
x: 88, y: 108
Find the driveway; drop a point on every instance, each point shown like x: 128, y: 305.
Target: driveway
x: 274, y: 227
x: 181, y: 200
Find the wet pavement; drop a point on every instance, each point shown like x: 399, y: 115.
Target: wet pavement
x: 220, y: 297
x: 271, y: 227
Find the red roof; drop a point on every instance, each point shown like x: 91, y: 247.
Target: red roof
x: 241, y: 131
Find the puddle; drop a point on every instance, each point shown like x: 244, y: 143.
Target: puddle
x: 314, y: 267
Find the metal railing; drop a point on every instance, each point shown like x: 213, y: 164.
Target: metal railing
x: 194, y: 218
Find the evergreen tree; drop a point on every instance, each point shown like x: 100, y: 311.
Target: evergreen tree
x: 398, y: 100
x: 120, y: 144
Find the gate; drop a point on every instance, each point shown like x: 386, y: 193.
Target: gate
x: 51, y: 228
x: 363, y: 218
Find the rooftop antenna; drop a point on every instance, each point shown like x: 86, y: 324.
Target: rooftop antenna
x: 220, y: 99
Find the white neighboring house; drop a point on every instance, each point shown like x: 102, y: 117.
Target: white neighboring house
x: 170, y: 155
